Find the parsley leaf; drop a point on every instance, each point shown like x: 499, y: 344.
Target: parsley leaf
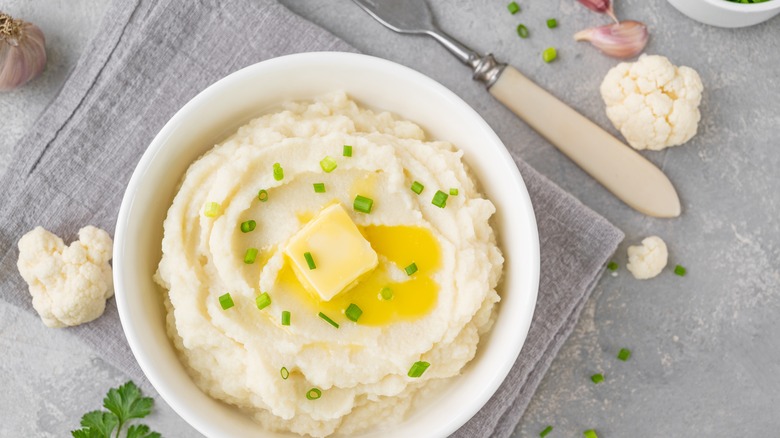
x: 141, y: 431
x: 100, y: 422
x: 124, y: 404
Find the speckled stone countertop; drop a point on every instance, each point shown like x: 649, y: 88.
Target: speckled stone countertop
x: 706, y: 357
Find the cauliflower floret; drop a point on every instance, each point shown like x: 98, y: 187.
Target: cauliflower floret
x: 69, y: 284
x: 648, y: 259
x: 653, y: 103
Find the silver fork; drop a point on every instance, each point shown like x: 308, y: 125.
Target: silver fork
x: 628, y: 175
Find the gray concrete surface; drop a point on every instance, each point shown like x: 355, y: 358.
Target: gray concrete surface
x: 706, y: 359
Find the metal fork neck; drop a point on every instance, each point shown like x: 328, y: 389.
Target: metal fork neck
x: 486, y: 69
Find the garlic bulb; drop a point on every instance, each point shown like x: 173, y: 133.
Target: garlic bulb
x: 621, y: 40
x: 22, y: 52
x: 600, y: 6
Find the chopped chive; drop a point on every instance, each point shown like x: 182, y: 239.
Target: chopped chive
x: 226, y: 301
x: 319, y: 187
x: 386, y: 293
x: 612, y: 266
x: 285, y: 317
x: 262, y: 195
x: 680, y: 270
x: 453, y: 192
x: 250, y: 256
x: 212, y: 209
x: 263, y: 300
x: 549, y: 54
x: 439, y: 199
x: 313, y: 394
x: 278, y: 172
x: 248, y: 226
x: 411, y: 269
x: 363, y: 204
x: 347, y: 151
x: 590, y: 433
x: 513, y: 8
x: 522, y: 31
x: 546, y: 431
x: 597, y: 378
x: 328, y: 320
x: 328, y: 164
x: 418, y: 368
x: 552, y: 23
x: 285, y: 374
x: 417, y: 187
x: 309, y: 260
x: 624, y: 354
x: 353, y: 312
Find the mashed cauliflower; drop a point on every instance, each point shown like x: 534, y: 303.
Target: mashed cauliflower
x: 315, y: 375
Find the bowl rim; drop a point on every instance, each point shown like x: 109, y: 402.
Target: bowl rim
x: 532, y: 245
x: 744, y: 7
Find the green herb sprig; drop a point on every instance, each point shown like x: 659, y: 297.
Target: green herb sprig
x: 124, y: 403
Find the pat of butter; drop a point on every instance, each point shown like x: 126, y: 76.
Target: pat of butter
x: 338, y: 251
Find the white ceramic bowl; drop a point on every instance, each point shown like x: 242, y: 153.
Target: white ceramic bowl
x: 724, y: 13
x: 229, y: 103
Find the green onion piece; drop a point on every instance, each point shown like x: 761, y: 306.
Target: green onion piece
x: 612, y: 266
x: 248, y: 226
x: 363, y: 204
x: 319, y: 187
x: 313, y: 394
x: 309, y: 260
x: 590, y: 433
x: 546, y: 431
x: 347, y: 151
x: 226, y: 301
x: 597, y: 378
x: 328, y: 164
x: 679, y: 270
x: 250, y: 256
x: 411, y: 269
x: 418, y: 368
x: 328, y: 320
x: 549, y: 54
x: 513, y: 8
x: 285, y: 317
x: 624, y: 354
x: 552, y: 23
x: 439, y: 199
x: 417, y: 187
x: 522, y: 31
x: 453, y: 192
x: 386, y: 293
x: 353, y: 312
x: 278, y: 172
x: 212, y: 209
x: 262, y: 195
x: 263, y: 300
x: 285, y: 374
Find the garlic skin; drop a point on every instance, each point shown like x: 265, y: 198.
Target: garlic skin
x: 600, y: 6
x: 22, y: 52
x: 621, y: 40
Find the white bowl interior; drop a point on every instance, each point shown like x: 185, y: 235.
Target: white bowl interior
x: 377, y: 83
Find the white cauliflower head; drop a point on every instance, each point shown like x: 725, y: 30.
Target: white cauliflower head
x: 653, y: 103
x: 69, y: 284
x: 648, y: 259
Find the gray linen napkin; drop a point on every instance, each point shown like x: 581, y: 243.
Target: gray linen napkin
x: 150, y: 59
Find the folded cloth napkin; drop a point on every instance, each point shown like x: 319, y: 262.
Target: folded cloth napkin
x: 150, y: 58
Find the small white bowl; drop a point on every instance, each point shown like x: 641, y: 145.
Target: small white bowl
x: 229, y: 103
x: 723, y: 13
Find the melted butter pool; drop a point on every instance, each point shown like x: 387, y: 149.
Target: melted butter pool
x: 413, y: 297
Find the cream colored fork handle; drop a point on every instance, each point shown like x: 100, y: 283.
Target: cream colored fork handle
x: 625, y: 173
